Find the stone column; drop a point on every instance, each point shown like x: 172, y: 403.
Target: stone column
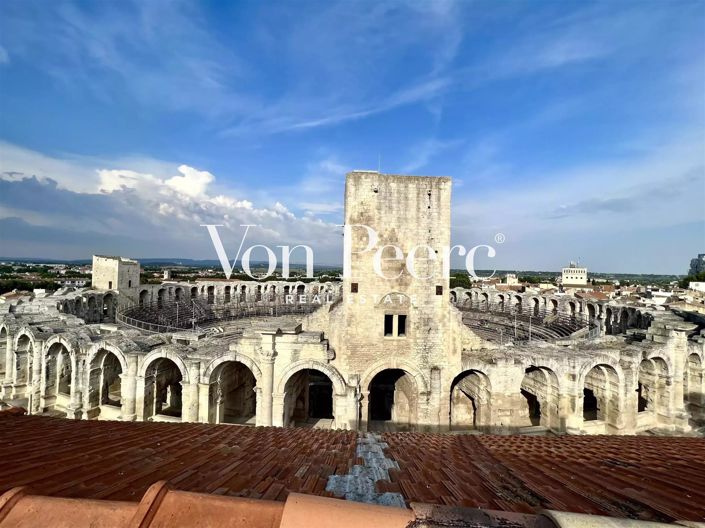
x: 139, y: 398
x: 128, y: 389
x: 35, y: 388
x: 277, y: 410
x: 267, y: 356
x: 9, y: 362
x: 203, y: 402
x: 189, y: 402
x: 75, y: 406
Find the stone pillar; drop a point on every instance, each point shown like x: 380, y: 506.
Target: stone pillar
x: 139, y: 398
x: 267, y: 356
x: 75, y: 408
x: 267, y: 366
x: 35, y: 387
x: 189, y: 402
x: 128, y: 389
x: 9, y: 363
x: 277, y: 410
x: 570, y: 412
x: 204, y: 402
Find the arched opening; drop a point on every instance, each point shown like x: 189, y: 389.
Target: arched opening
x: 537, y: 308
x: 393, y: 400
x: 485, y: 301
x: 211, y: 294
x: 179, y: 293
x: 517, y: 304
x: 160, y: 298
x: 591, y: 312
x: 226, y: 294
x: 554, y: 306
x: 194, y: 292
x: 144, y: 294
x: 572, y: 309
x: 23, y: 358
x: 258, y: 293
x: 308, y: 400
x: 623, y: 321
x: 105, y: 386
x: 470, y: 400
x: 90, y: 316
x: 58, y: 372
x: 108, y: 307
x: 540, y: 390
x: 162, y: 391
x: 243, y: 293
x: 300, y: 290
x: 693, y: 389
x: 601, y: 396
x: 232, y: 397
x: 501, y: 303
x: 653, y: 387
x: 453, y: 297
x: 608, y: 321
x: 3, y: 352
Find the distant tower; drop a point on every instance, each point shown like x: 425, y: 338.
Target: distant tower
x: 574, y: 275
x: 116, y: 273
x: 697, y: 265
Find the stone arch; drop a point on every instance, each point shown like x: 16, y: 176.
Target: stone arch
x: 231, y: 393
x: 541, y: 389
x: 654, y: 386
x: 108, y: 307
x: 394, y: 363
x: 602, y: 395
x: 161, y: 295
x: 91, y: 311
x: 106, y: 365
x: 309, y: 399
x: 470, y: 400
x: 3, y: 351
x: 694, y: 384
x: 163, y: 380
x: 339, y: 386
x: 144, y: 294
x: 179, y: 293
x: 166, y: 354
x: 233, y: 356
x: 453, y: 297
x: 23, y: 357
x: 58, y: 374
x: 392, y: 398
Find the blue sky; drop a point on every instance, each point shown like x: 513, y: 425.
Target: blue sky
x: 577, y: 129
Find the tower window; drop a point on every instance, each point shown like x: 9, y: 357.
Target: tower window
x: 388, y: 325
x: 129, y: 283
x: 110, y: 285
x: 439, y: 290
x: 353, y: 287
x: 401, y: 326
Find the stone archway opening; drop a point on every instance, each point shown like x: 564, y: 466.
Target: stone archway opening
x: 392, y: 401
x: 653, y: 388
x: 23, y: 358
x: 58, y: 373
x: 108, y: 307
x: 308, y: 400
x: 470, y: 398
x: 601, y: 398
x: 3, y: 352
x: 105, y: 386
x: 232, y: 396
x: 162, y: 391
x: 539, y: 387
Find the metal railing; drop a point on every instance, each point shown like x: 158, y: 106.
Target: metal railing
x: 204, y: 311
x: 518, y: 322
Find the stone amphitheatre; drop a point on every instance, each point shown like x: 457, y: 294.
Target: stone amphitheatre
x: 364, y: 354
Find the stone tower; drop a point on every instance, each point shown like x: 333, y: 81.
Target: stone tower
x: 390, y: 320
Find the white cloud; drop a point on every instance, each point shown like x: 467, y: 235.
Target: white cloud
x: 4, y: 56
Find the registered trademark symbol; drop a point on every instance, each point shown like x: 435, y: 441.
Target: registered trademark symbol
x: 500, y: 238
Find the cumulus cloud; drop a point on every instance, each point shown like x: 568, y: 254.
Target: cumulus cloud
x: 162, y: 214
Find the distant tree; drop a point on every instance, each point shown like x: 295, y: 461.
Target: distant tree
x: 700, y: 277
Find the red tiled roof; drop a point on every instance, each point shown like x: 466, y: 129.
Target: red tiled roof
x: 653, y: 478
x: 649, y: 478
